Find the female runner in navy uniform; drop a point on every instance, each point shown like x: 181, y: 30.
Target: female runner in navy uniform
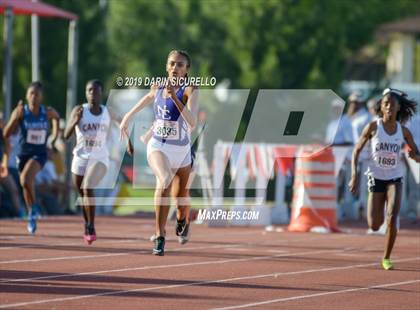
x: 169, y: 150
x: 33, y: 120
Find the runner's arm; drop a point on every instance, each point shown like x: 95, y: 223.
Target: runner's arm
x: 4, y: 171
x: 141, y: 104
x: 189, y: 111
x: 53, y: 115
x: 366, y: 134
x: 414, y: 151
x: 147, y: 136
x: 16, y: 117
x: 75, y: 116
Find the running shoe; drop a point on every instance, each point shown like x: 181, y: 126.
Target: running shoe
x: 181, y: 230
x: 154, y: 236
x: 180, y: 224
x: 387, y: 264
x: 159, y: 248
x: 36, y: 211
x: 32, y: 217
x: 90, y: 234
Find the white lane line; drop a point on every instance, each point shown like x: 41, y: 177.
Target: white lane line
x: 64, y: 258
x: 103, y: 240
x: 144, y: 251
x: 366, y: 254
x: 350, y: 290
x: 211, y: 262
x: 279, y: 251
x: 36, y: 260
x: 199, y: 283
x: 80, y: 243
x: 237, y: 249
x: 8, y: 238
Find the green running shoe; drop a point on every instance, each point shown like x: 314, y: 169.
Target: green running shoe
x: 387, y: 264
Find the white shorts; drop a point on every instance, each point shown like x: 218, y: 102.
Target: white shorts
x: 178, y: 155
x: 80, y: 165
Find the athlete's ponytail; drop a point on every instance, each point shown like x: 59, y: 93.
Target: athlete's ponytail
x: 408, y: 109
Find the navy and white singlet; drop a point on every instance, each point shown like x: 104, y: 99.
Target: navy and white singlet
x: 33, y: 132
x: 169, y: 126
x: 171, y: 134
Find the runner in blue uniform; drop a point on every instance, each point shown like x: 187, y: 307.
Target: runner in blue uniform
x: 34, y: 122
x: 169, y: 150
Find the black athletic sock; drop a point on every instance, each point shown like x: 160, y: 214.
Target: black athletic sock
x: 90, y: 228
x: 182, y: 222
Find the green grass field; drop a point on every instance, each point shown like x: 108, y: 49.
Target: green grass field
x: 141, y: 200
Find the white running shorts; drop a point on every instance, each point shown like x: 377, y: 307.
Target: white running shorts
x: 178, y: 156
x: 80, y: 165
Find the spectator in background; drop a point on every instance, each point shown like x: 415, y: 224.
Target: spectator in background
x: 340, y: 133
x: 4, y: 151
x: 339, y: 129
x: 104, y: 205
x: 14, y: 151
x: 357, y: 114
x: 371, y: 105
x: 50, y: 190
x: 359, y: 118
x: 413, y: 188
x: 14, y: 183
x: 10, y: 196
x: 59, y: 152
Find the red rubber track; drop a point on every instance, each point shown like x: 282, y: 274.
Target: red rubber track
x: 234, y: 268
